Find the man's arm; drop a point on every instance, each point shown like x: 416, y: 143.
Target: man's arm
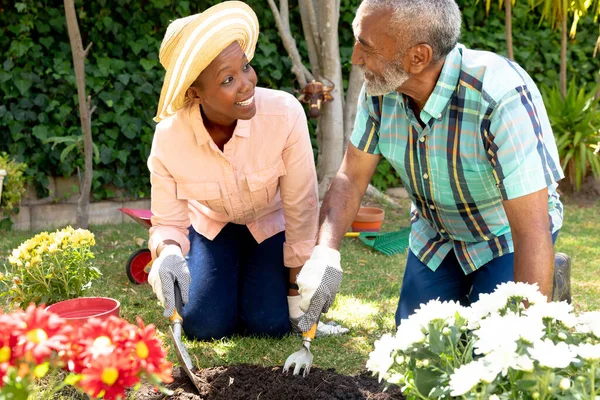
x: 344, y: 195
x: 534, y: 251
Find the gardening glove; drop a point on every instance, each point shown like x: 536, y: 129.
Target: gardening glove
x: 318, y: 283
x: 330, y: 328
x: 168, y: 268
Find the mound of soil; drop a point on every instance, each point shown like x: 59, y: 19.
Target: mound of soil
x: 244, y: 382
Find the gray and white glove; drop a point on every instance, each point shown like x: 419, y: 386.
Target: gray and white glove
x: 168, y: 268
x: 330, y: 328
x: 318, y: 283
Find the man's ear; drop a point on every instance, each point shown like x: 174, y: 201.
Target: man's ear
x: 419, y: 58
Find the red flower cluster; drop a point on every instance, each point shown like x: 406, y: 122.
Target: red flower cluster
x: 107, y: 356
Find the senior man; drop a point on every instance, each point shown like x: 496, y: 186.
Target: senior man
x: 469, y: 136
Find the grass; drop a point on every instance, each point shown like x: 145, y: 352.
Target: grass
x: 366, y: 302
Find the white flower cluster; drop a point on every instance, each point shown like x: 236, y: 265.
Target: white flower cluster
x: 511, y: 343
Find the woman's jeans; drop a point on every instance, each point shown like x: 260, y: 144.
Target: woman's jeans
x: 449, y: 282
x: 238, y: 286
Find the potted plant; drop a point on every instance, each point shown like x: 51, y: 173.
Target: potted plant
x: 50, y: 267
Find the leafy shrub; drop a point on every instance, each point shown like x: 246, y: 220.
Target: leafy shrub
x: 575, y: 121
x: 13, y: 185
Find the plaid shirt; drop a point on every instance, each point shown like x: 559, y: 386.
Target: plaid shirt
x: 486, y: 139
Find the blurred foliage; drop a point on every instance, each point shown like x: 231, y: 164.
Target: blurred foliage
x: 575, y: 121
x: 13, y: 185
x: 124, y: 76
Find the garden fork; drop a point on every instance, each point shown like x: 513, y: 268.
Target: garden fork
x: 303, y: 357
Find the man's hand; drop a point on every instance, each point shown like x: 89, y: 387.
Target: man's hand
x: 170, y: 266
x: 318, y: 282
x: 295, y: 312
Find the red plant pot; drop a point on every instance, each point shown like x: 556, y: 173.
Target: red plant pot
x: 368, y: 219
x: 77, y: 311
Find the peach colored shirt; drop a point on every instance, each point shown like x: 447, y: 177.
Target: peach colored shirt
x: 264, y: 178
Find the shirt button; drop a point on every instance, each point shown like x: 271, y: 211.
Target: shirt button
x: 234, y: 194
x: 432, y: 206
x: 442, y: 231
x: 439, y: 116
x: 426, y: 176
x: 422, y: 139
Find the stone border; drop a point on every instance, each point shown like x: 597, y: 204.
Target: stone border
x: 52, y: 216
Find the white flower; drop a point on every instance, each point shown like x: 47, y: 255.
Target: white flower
x: 589, y: 352
x: 524, y: 290
x: 503, y: 358
x: 381, y: 359
x: 524, y: 363
x: 438, y: 310
x: 409, y: 333
x: 468, y: 376
x: 559, y: 311
x: 589, y: 322
x: 494, y: 397
x: 498, y: 331
x: 552, y: 355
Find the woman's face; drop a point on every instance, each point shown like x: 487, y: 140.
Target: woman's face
x: 226, y: 87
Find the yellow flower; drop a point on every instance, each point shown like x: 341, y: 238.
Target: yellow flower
x: 110, y: 375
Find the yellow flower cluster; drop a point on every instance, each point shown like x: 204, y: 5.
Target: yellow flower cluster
x: 31, y: 251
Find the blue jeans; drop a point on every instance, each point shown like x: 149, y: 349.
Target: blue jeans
x: 449, y: 282
x: 238, y: 286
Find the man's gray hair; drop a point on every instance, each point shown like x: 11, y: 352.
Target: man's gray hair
x: 435, y: 22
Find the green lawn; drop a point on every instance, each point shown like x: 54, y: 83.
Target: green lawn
x: 366, y: 303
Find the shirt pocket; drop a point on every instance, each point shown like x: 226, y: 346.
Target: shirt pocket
x: 207, y: 193
x: 264, y: 184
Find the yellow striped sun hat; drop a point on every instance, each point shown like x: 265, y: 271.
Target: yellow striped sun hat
x: 192, y: 43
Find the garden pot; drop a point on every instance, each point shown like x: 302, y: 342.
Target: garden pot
x: 78, y: 311
x: 2, y: 175
x: 368, y: 219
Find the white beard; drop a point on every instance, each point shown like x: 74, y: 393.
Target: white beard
x: 392, y: 78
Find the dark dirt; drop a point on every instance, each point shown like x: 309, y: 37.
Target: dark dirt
x: 245, y: 382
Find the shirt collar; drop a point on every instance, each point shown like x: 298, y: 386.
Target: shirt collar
x: 446, y: 84
x: 242, y: 128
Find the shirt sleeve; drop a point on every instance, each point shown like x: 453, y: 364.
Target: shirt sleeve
x: 170, y: 217
x: 521, y: 146
x: 299, y: 192
x: 365, y: 134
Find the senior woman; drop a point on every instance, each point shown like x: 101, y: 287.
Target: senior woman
x: 234, y: 190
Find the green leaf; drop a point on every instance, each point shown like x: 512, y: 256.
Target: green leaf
x: 41, y: 132
x: 23, y: 86
x: 426, y: 379
x: 20, y: 7
x: 66, y: 151
x: 147, y: 64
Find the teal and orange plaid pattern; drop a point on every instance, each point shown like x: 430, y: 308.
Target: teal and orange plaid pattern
x: 485, y: 138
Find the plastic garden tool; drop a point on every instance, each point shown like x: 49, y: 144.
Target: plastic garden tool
x: 388, y: 243
x: 303, y: 357
x: 175, y: 333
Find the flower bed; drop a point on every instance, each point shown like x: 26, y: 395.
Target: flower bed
x: 498, y: 348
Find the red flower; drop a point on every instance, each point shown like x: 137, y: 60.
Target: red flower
x: 98, y: 338
x: 108, y: 376
x: 150, y: 354
x: 39, y: 334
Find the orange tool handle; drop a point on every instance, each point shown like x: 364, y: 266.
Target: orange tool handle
x: 178, y: 304
x: 310, y: 333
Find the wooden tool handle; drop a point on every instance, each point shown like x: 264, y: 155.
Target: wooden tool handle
x: 311, y: 332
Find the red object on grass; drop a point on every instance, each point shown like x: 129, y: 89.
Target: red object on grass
x: 368, y: 219
x: 77, y: 311
x: 140, y: 215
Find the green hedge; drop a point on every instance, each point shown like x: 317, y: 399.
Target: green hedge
x: 124, y: 77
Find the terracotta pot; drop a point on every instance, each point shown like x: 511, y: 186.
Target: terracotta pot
x: 78, y: 311
x: 368, y: 219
